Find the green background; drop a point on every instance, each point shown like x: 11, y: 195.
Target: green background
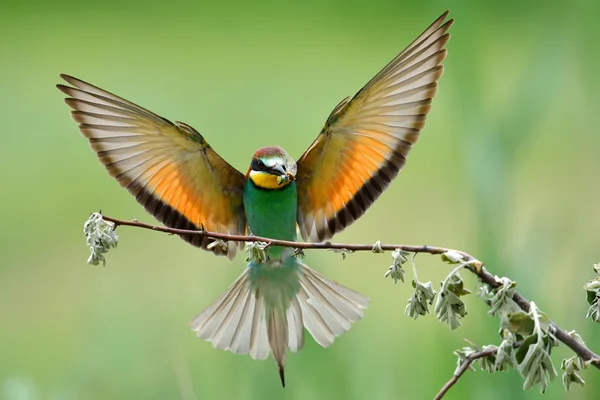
x: 506, y: 169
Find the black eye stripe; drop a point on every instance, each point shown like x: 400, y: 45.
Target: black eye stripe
x: 258, y: 165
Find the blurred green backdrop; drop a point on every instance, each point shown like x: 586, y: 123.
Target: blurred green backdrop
x: 507, y: 169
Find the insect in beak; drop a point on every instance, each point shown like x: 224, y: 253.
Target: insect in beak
x: 283, y: 176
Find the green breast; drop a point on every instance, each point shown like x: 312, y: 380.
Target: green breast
x: 271, y: 213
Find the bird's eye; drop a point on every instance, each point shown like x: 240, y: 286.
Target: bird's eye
x: 258, y: 165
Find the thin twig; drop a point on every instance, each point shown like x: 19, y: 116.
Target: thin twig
x: 286, y: 243
x: 463, y: 368
x: 476, y: 268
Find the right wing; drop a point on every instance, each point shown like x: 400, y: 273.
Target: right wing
x: 366, y: 140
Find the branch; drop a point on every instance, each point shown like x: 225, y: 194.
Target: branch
x: 475, y: 267
x: 286, y: 243
x: 466, y: 364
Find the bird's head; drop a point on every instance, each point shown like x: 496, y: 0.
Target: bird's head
x: 272, y: 168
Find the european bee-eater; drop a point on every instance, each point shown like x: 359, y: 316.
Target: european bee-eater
x: 178, y: 177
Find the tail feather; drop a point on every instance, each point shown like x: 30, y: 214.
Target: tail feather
x: 295, y: 326
x: 277, y: 331
x: 239, y: 344
x: 208, y: 322
x: 235, y: 321
x: 223, y: 336
x: 343, y: 293
x: 319, y: 300
x: 262, y: 316
x: 259, y: 343
x: 332, y: 307
x: 313, y: 321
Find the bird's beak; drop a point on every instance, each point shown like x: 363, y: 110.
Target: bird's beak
x: 278, y: 170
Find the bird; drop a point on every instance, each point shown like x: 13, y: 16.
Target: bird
x: 182, y: 181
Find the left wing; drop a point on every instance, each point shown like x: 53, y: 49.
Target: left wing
x: 366, y: 140
x: 169, y: 167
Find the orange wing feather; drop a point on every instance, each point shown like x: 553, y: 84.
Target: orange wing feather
x: 365, y: 141
x: 169, y: 167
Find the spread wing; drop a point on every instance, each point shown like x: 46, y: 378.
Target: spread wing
x: 366, y: 140
x: 169, y: 167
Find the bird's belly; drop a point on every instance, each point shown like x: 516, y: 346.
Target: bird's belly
x: 271, y: 213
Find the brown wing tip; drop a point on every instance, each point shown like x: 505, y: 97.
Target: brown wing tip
x: 440, y: 21
x: 63, y: 88
x: 70, y: 79
x: 68, y: 90
x: 448, y: 24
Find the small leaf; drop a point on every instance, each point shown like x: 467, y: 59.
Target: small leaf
x: 594, y: 312
x: 257, y: 251
x: 488, y: 363
x: 505, y: 355
x: 217, y: 242
x: 593, y: 285
x: 377, y: 247
x: 452, y: 257
x: 524, y: 348
x: 533, y: 356
x: 100, y: 237
x: 520, y: 323
x: 342, y: 252
x: 395, y: 271
x: 458, y: 288
x: 544, y: 322
x: 571, y: 367
x: 421, y: 299
x: 536, y: 366
x: 500, y: 298
x: 449, y: 308
x: 462, y: 355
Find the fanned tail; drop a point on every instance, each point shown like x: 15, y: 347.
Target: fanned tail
x: 328, y: 308
x: 267, y: 311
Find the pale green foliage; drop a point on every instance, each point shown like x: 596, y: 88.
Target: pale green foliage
x: 505, y: 354
x: 500, y: 298
x: 422, y: 297
x: 342, y: 252
x: 486, y: 362
x: 257, y: 251
x: 449, y: 307
x: 100, y: 237
x: 490, y: 358
x: 395, y: 271
x: 528, y: 339
x: 452, y: 257
x: 533, y: 356
x: 572, y: 366
x: 463, y: 355
x: 377, y: 247
x: 592, y: 289
x: 217, y: 242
